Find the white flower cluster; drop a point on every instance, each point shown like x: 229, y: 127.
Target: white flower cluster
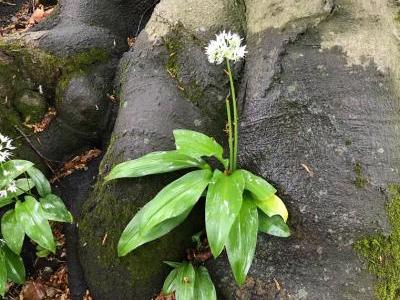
x: 226, y: 45
x: 5, y: 148
x: 5, y: 154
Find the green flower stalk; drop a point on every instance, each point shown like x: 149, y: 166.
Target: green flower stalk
x: 228, y: 46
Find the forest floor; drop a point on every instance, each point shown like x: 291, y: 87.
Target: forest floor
x: 47, y: 277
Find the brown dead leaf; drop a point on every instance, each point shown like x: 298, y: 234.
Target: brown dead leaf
x: 87, y: 296
x: 45, y: 122
x: 33, y: 290
x: 77, y: 163
x: 37, y: 16
x: 161, y: 296
x: 131, y: 41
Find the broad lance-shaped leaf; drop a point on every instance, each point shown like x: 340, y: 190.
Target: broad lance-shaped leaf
x: 12, y: 169
x: 167, y: 210
x: 224, y: 199
x: 172, y: 264
x: 169, y: 283
x: 242, y: 240
x: 42, y: 184
x: 155, y: 163
x: 131, y: 238
x: 36, y: 226
x: 203, y: 286
x: 273, y: 206
x: 196, y: 144
x: 264, y: 195
x: 23, y: 185
x: 3, y: 273
x: 14, y: 265
x: 184, y: 282
x: 13, y: 231
x: 53, y: 208
x: 274, y: 225
x: 258, y: 186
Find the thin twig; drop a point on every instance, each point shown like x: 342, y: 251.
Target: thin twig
x: 7, y: 3
x: 144, y: 13
x: 45, y: 160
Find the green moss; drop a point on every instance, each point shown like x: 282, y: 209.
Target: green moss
x: 383, y: 252
x: 193, y: 91
x: 237, y: 14
x: 174, y: 45
x: 360, y: 181
x: 23, y: 70
x: 397, y: 18
x: 79, y: 64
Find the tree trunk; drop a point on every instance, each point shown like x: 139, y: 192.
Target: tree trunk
x: 318, y: 118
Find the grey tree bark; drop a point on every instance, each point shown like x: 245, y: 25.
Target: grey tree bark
x: 319, y: 118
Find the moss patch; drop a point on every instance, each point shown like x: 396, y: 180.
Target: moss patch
x: 23, y: 69
x: 383, y: 252
x: 191, y: 90
x: 360, y: 181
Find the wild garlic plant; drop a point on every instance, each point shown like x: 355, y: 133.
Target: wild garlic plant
x: 238, y: 204
x: 21, y: 184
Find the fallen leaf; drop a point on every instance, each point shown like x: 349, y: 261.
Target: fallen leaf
x: 131, y: 41
x: 33, y: 291
x: 45, y: 122
x: 77, y: 163
x: 37, y: 16
x: 161, y: 296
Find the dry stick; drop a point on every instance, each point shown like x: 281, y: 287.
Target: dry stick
x: 45, y: 160
x: 7, y: 3
x: 142, y: 16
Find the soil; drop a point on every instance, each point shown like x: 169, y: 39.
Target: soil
x: 8, y: 9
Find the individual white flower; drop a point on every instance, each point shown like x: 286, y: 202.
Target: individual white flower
x: 12, y: 187
x: 227, y: 45
x: 3, y: 193
x: 5, y: 148
x: 4, y: 155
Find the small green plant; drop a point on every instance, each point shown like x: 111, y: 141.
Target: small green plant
x: 20, y: 185
x: 189, y: 282
x: 238, y: 203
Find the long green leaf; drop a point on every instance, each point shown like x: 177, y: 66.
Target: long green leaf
x: 203, y: 286
x: 23, y: 186
x: 12, y: 169
x: 53, y: 208
x: 273, y: 206
x: 132, y: 238
x: 258, y: 186
x: 274, y: 225
x: 36, y: 226
x: 172, y: 264
x: 155, y: 163
x: 14, y: 265
x: 167, y: 210
x: 169, y: 283
x: 3, y: 273
x: 264, y: 195
x: 242, y: 241
x: 224, y: 199
x: 196, y: 144
x: 176, y: 198
x: 13, y: 231
x: 184, y: 282
x: 42, y: 184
